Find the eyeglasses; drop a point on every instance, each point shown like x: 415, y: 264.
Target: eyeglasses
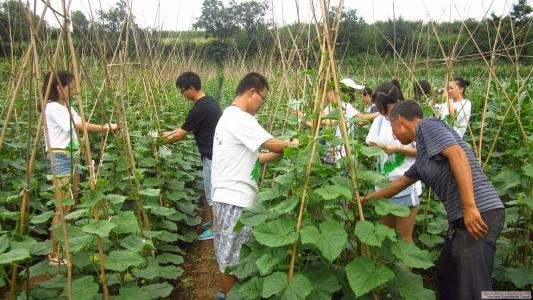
x: 183, y: 90
x: 263, y: 98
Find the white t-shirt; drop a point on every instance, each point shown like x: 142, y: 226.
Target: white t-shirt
x: 235, y: 166
x: 463, y: 110
x: 58, y: 123
x: 392, y: 165
x: 349, y: 112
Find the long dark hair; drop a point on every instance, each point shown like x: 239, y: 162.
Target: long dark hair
x: 63, y: 78
x: 461, y: 83
x: 384, y: 94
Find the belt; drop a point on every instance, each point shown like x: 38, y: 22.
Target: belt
x: 63, y: 151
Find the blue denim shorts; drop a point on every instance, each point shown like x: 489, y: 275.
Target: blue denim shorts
x: 410, y: 199
x: 64, y: 164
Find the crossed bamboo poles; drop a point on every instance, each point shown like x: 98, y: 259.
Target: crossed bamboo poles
x: 327, y: 70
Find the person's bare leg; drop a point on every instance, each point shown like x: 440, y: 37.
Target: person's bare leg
x: 227, y: 283
x: 404, y: 225
x: 389, y: 221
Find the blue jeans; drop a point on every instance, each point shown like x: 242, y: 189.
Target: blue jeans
x: 206, y: 170
x: 465, y: 265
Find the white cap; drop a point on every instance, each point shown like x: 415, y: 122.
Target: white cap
x: 351, y: 84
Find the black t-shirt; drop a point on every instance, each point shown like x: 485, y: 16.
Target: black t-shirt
x: 202, y: 121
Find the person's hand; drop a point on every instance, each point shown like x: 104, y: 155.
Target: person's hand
x: 295, y: 142
x: 362, y: 199
x: 473, y: 223
x: 166, y: 134
x: 390, y: 148
x: 113, y: 127
x: 372, y: 144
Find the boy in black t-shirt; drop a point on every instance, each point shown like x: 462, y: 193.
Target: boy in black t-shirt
x: 202, y: 120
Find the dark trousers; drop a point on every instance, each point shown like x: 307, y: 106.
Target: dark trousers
x: 465, y: 265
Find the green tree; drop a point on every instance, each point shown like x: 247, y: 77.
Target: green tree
x: 250, y: 16
x: 13, y: 21
x: 217, y: 20
x: 80, y: 24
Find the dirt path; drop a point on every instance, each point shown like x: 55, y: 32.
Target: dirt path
x: 201, y: 279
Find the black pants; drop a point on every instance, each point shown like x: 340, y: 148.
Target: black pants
x: 465, y: 265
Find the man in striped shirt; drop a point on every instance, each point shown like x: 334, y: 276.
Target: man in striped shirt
x: 475, y: 211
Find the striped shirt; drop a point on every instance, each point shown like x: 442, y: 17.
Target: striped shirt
x: 432, y: 137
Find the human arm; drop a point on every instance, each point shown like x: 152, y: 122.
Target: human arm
x: 174, y: 135
x: 369, y: 117
x: 462, y: 173
x: 399, y: 148
x: 397, y: 185
x: 276, y: 145
x: 267, y: 156
x: 95, y: 128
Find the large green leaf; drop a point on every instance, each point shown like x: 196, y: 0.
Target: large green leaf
x: 412, y: 256
x: 4, y: 242
x: 247, y: 266
x: 136, y: 243
x: 520, y: 276
x: 13, y: 255
x: 91, y: 197
x: 250, y: 290
x: 364, y: 275
x: 371, y: 177
x: 83, y: 288
x: 100, y: 228
x: 126, y: 222
x: 161, y: 211
x: 166, y: 258
x: 277, y: 284
x: 270, y: 259
x: 505, y: 180
x: 115, y: 199
x: 150, y: 192
x: 385, y: 207
x: 133, y: 293
x: 122, y: 259
x: 430, y: 240
x: 527, y: 169
x: 286, y: 206
x: 257, y: 214
x: 159, y: 290
x: 329, y: 238
x: 410, y: 285
x: 371, y: 151
x: 324, y: 283
x: 333, y: 192
x: 275, y: 233
x: 373, y: 234
x: 44, y: 217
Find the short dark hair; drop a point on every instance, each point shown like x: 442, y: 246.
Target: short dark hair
x: 409, y: 109
x: 366, y: 91
x: 421, y: 89
x: 251, y: 80
x: 188, y: 79
x: 384, y: 94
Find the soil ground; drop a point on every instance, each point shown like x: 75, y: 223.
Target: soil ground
x: 201, y: 278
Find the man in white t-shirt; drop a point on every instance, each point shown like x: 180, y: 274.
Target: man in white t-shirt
x: 235, y: 168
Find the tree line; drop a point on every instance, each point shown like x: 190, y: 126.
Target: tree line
x: 242, y: 28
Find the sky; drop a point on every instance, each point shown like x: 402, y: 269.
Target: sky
x: 181, y: 14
